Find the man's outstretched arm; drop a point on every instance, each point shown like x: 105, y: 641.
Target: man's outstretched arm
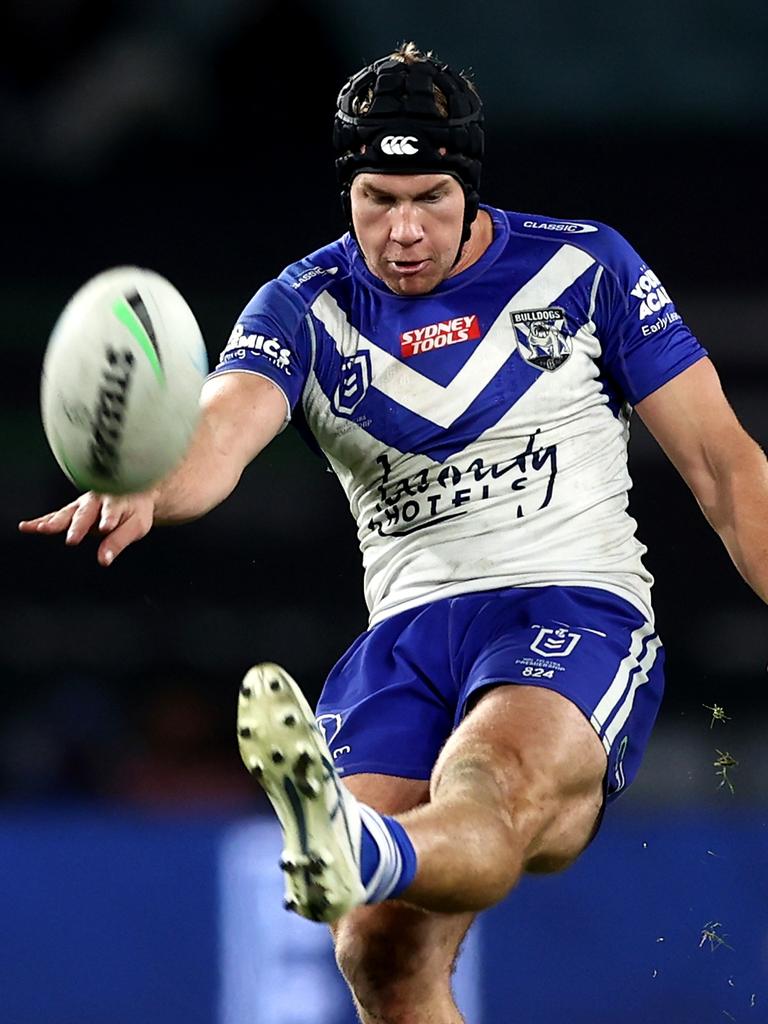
x: 240, y: 414
x: 724, y: 467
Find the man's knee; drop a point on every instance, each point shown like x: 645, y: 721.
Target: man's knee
x: 532, y: 753
x: 569, y: 834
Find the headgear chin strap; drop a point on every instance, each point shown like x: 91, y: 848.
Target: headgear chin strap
x: 402, y: 130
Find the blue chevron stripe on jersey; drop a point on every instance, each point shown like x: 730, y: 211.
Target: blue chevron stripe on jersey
x: 476, y: 429
x: 439, y: 419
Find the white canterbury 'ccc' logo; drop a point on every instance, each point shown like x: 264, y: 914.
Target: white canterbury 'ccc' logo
x: 399, y: 145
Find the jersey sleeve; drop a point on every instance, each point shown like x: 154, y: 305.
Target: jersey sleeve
x: 271, y: 340
x: 645, y: 340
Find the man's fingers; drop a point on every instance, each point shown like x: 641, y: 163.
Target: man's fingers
x: 123, y: 520
x: 84, y: 518
x: 132, y: 529
x: 51, y: 522
x: 113, y: 512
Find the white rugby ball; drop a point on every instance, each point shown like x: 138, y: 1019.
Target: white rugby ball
x: 121, y: 381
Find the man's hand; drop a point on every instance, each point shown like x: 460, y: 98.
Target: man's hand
x: 241, y: 413
x: 122, y: 520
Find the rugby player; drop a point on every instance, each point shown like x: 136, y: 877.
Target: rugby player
x: 469, y: 374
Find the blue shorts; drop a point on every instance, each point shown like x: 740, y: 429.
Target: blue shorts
x: 401, y: 689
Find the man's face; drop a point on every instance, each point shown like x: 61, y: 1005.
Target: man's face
x: 408, y: 227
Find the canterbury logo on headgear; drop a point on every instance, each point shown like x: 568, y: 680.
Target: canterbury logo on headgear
x: 399, y: 145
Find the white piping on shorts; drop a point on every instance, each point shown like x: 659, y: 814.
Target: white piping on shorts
x: 616, y: 696
x: 640, y: 678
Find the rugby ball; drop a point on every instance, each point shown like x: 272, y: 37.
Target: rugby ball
x: 121, y: 381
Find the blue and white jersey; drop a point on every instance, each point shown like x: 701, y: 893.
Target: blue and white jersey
x: 480, y: 431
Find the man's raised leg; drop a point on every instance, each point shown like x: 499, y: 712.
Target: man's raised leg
x: 517, y: 787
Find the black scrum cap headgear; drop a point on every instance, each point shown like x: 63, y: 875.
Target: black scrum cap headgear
x: 389, y: 121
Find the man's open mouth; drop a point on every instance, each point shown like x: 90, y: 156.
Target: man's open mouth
x: 408, y: 266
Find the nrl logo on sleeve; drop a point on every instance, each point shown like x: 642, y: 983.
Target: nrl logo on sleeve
x: 445, y: 332
x: 541, y: 339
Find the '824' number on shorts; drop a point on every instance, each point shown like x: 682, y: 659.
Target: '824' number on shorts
x: 533, y: 672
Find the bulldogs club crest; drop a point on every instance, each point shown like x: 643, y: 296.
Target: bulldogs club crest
x: 541, y: 340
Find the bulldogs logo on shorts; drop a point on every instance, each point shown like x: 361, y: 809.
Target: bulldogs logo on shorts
x: 330, y: 724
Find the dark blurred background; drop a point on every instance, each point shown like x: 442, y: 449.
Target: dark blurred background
x: 194, y: 138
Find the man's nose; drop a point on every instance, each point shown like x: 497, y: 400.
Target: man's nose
x: 405, y: 228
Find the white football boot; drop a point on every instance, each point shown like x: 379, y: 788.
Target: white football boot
x: 283, y: 747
